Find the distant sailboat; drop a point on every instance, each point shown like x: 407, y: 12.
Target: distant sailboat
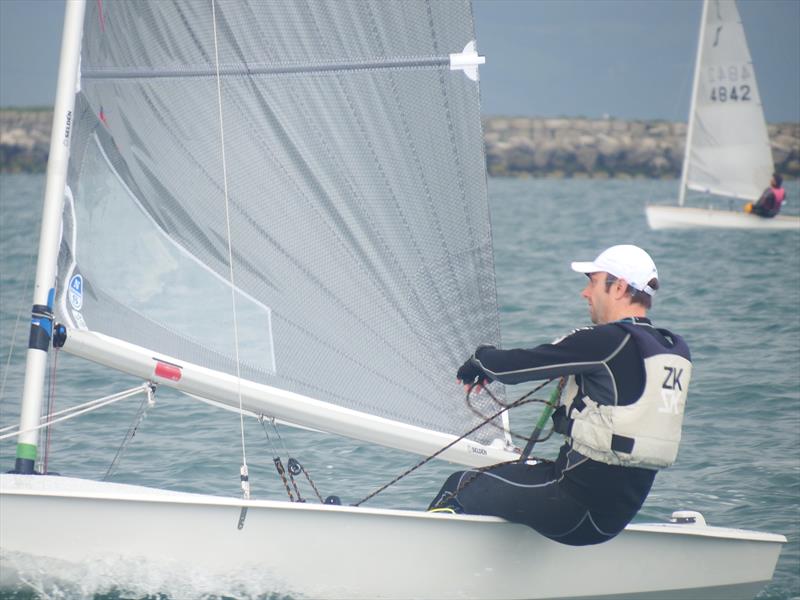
x: 281, y: 208
x: 728, y: 152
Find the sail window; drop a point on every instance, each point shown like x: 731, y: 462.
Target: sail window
x: 141, y: 285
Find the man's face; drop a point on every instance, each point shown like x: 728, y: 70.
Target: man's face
x: 599, y: 299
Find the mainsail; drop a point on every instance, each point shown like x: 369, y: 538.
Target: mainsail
x: 329, y: 150
x: 728, y: 151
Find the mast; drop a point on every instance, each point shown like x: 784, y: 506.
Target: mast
x: 693, y: 103
x: 49, y: 239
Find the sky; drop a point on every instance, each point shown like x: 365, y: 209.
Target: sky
x: 629, y: 59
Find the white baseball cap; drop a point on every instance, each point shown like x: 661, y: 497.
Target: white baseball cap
x: 627, y: 262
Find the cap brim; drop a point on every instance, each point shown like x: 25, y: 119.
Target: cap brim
x: 585, y: 267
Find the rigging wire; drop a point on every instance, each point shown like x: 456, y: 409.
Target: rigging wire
x: 276, y: 460
x: 293, y: 466
x: 75, y: 411
x: 308, y: 478
x: 550, y: 405
x: 490, y: 420
x: 243, y: 471
x: 147, y: 402
x: 280, y: 439
x: 51, y: 404
x: 7, y: 368
x: 524, y: 399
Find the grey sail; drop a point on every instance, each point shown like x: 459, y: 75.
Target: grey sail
x: 332, y: 145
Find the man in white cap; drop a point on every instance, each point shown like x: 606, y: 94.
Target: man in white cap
x: 621, y: 412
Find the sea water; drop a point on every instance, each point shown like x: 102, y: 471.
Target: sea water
x: 734, y: 295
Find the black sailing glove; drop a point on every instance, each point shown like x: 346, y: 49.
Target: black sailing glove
x: 561, y: 422
x: 470, y: 373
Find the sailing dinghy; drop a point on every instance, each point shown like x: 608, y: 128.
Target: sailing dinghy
x: 728, y: 153
x: 281, y: 208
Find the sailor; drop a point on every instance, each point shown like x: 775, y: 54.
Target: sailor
x: 771, y: 200
x: 622, y: 410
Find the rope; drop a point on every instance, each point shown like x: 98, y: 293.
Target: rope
x: 294, y: 469
x: 280, y: 437
x: 51, y: 403
x: 293, y: 465
x: 76, y: 411
x: 243, y: 471
x: 7, y: 368
x: 276, y: 459
x: 311, y: 482
x: 490, y: 420
x: 550, y: 405
x: 519, y: 402
x: 129, y: 435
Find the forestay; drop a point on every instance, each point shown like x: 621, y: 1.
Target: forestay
x: 728, y: 150
x: 347, y: 159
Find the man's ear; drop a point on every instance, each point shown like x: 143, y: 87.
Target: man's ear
x: 620, y: 287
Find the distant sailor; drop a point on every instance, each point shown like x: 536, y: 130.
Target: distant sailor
x: 771, y: 200
x: 622, y: 412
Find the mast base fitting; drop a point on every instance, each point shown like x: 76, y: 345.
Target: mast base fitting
x: 24, y: 466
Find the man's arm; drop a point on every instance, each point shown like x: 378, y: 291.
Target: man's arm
x: 581, y: 351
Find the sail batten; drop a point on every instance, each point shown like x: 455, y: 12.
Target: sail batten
x: 356, y: 187
x: 259, y: 70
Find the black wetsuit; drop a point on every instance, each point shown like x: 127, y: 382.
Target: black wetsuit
x: 573, y: 500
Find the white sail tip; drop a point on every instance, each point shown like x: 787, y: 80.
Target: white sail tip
x: 467, y: 60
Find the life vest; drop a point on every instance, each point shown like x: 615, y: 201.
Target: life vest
x: 647, y: 432
x: 779, y: 194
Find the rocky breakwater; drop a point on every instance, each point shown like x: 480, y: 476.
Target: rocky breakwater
x: 24, y: 140
x: 606, y: 148
x: 517, y: 147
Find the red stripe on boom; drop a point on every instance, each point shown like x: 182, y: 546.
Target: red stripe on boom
x: 168, y: 371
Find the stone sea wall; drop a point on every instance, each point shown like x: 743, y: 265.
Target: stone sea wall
x: 606, y: 148
x: 24, y: 140
x: 515, y: 147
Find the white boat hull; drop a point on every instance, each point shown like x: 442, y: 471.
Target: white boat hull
x: 685, y: 217
x: 326, y: 551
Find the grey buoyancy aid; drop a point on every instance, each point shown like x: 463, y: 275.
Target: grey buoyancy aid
x: 647, y: 432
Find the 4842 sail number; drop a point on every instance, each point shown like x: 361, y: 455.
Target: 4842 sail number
x: 734, y: 93
x: 729, y: 83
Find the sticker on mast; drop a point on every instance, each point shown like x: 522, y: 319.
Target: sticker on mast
x: 75, y: 292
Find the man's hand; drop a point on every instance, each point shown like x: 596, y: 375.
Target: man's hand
x: 472, y: 375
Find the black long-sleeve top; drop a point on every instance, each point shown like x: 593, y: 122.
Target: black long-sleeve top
x: 609, y: 369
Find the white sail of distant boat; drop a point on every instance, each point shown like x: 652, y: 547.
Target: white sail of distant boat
x: 281, y: 208
x: 728, y: 152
